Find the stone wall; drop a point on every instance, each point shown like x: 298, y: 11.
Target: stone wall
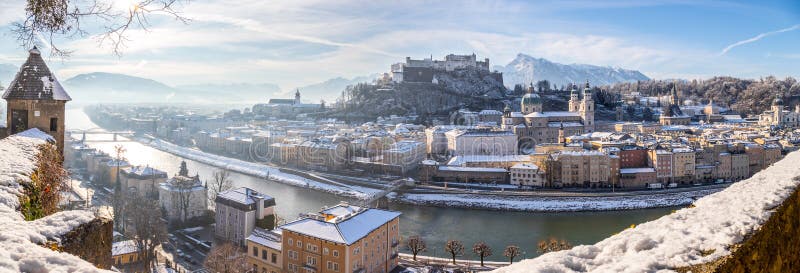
x: 775, y: 247
x: 91, y: 242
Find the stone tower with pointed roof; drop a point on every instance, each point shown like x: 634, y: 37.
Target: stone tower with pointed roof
x: 35, y: 99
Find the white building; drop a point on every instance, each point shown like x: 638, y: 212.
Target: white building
x: 239, y: 211
x: 526, y: 174
x: 481, y: 142
x: 183, y: 198
x: 778, y: 116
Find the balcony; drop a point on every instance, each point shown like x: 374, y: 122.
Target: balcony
x: 748, y: 227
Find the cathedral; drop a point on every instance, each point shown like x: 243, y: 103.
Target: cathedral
x: 533, y: 125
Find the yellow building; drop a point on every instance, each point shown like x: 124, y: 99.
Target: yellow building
x: 343, y: 238
x: 264, y: 251
x: 124, y: 253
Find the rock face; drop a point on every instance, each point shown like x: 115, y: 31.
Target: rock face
x: 525, y: 70
x: 91, y: 242
x: 473, y: 89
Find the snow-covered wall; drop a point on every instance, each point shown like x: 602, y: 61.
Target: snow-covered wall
x: 22, y: 242
x: 752, y: 222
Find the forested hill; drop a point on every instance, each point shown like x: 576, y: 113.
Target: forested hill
x: 471, y: 89
x: 742, y: 95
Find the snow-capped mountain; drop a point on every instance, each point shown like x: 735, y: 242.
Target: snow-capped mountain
x: 525, y: 70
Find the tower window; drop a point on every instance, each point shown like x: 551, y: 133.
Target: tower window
x: 53, y: 124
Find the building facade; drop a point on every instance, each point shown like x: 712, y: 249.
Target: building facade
x: 532, y: 125
x: 343, y: 238
x: 241, y: 210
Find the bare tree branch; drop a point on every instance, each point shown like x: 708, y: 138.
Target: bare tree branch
x: 46, y: 21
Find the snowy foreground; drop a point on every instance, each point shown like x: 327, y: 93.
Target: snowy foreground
x: 715, y: 223
x: 21, y: 240
x: 258, y: 170
x: 553, y: 204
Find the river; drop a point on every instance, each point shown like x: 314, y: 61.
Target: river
x: 435, y: 225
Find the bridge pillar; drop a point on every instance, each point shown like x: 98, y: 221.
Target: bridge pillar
x: 83, y: 137
x: 115, y: 137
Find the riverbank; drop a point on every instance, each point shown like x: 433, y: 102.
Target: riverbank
x: 258, y: 170
x: 452, y: 200
x: 552, y: 204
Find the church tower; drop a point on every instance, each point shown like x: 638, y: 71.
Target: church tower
x: 777, y: 111
x: 574, y: 103
x: 35, y: 99
x: 508, y: 122
x: 561, y: 137
x: 297, y: 97
x: 587, y: 109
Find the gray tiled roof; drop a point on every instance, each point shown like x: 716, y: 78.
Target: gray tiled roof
x: 34, y: 81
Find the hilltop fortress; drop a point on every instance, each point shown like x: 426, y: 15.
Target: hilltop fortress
x: 424, y: 71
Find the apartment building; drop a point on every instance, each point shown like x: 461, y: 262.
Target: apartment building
x: 661, y: 160
x: 585, y: 168
x: 683, y: 165
x: 343, y: 238
x: 241, y: 210
x: 526, y: 174
x: 264, y: 251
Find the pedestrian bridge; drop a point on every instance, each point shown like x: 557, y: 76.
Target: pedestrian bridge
x: 377, y: 197
x: 100, y: 131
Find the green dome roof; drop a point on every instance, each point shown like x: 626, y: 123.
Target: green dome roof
x: 531, y: 98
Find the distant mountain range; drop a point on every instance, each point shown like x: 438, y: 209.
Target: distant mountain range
x: 331, y: 89
x: 525, y: 70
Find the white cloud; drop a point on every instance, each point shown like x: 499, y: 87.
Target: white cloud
x: 756, y: 38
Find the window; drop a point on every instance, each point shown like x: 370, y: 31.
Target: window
x: 255, y: 251
x: 53, y: 124
x: 291, y: 242
x: 264, y: 254
x: 333, y: 266
x: 274, y: 258
x: 325, y: 250
x: 299, y: 244
x: 335, y: 253
x: 311, y: 260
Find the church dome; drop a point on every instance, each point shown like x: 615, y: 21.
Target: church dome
x: 777, y: 101
x: 531, y: 98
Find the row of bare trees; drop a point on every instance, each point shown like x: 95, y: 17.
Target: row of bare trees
x: 456, y: 248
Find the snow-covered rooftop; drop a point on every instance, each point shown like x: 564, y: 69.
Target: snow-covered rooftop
x: 243, y: 195
x: 683, y: 238
x: 345, y: 228
x: 268, y: 238
x: 124, y: 247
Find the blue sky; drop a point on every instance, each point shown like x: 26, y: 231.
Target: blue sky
x: 294, y: 43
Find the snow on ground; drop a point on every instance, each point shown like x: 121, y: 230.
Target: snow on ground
x: 20, y: 239
x: 552, y: 204
x: 259, y: 170
x: 715, y: 223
